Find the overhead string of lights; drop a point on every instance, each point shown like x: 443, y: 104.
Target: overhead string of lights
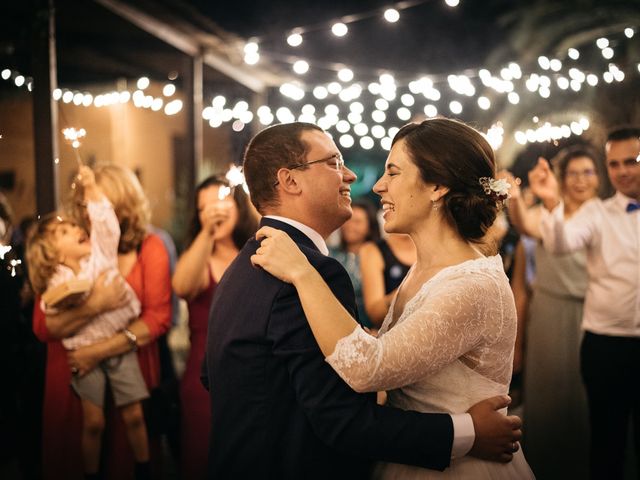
x: 169, y: 105
x: 385, y: 91
x: 338, y: 27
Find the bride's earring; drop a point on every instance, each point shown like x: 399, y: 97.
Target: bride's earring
x: 435, y: 205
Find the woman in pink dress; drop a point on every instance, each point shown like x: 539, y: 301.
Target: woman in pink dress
x: 220, y: 227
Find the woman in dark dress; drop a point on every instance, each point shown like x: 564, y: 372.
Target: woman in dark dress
x: 221, y: 225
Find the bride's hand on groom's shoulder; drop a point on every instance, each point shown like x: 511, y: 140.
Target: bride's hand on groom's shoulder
x: 497, y: 435
x: 279, y: 255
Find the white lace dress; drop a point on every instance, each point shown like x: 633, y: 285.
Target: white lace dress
x: 451, y: 347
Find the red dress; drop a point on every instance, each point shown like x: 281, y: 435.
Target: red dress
x: 62, y: 413
x: 194, y: 399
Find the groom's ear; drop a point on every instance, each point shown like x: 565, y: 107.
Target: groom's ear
x: 287, y: 181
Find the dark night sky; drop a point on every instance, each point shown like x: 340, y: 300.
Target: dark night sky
x: 428, y: 38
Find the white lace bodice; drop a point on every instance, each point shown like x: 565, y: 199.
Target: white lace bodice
x: 451, y: 347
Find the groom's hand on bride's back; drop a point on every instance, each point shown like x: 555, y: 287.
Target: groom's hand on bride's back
x: 497, y: 435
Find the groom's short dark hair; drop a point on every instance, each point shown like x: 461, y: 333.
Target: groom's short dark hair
x: 276, y: 147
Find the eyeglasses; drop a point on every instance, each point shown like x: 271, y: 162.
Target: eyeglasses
x: 335, y: 161
x: 574, y: 175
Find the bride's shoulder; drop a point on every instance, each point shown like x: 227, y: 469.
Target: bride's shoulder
x: 485, y: 274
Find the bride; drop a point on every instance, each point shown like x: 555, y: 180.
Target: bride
x: 447, y: 341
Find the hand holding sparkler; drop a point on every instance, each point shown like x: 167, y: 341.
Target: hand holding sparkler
x: 215, y: 214
x: 87, y: 180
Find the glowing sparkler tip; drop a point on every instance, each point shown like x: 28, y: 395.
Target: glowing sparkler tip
x: 235, y: 176
x: 224, y: 192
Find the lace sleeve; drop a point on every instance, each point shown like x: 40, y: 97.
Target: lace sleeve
x: 439, y: 325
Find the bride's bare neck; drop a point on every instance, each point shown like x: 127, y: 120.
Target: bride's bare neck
x: 439, y: 245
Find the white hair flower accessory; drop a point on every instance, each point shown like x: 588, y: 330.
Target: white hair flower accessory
x: 497, y: 189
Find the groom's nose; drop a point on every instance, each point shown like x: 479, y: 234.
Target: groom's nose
x: 348, y: 175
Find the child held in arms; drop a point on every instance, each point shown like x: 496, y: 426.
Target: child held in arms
x: 61, y: 258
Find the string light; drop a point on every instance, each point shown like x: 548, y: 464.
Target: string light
x: 495, y: 135
x: 169, y: 89
x: 301, y: 67
x: 346, y: 141
x: 544, y: 62
x: 548, y: 132
x: 378, y: 116
x: 484, y: 103
x: 404, y: 113
x: 295, y: 39
x: 430, y: 110
x: 339, y: 29
x: 573, y: 54
x: 142, y: 83
x: 251, y: 53
x: 455, y: 107
x: 367, y: 143
x: 407, y: 100
x: 173, y: 107
x: 345, y: 74
x: 555, y: 65
x: 607, y: 53
x: 320, y: 92
x: 391, y: 15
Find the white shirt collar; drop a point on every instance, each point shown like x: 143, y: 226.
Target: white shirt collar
x: 622, y: 200
x: 314, y: 236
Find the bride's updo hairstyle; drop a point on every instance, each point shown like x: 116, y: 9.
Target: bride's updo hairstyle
x: 454, y: 155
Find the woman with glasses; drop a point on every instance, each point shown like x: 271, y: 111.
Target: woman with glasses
x: 554, y: 398
x: 447, y: 340
x: 223, y: 222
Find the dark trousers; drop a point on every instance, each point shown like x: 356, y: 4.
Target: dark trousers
x: 611, y: 375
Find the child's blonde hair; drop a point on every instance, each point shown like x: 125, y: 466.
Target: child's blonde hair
x: 42, y: 254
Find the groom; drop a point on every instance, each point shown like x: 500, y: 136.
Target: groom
x: 278, y: 409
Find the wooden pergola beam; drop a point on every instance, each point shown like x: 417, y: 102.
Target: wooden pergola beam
x: 183, y: 42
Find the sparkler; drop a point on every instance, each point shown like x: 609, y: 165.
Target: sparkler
x: 235, y: 177
x: 13, y: 263
x: 12, y: 266
x: 73, y: 136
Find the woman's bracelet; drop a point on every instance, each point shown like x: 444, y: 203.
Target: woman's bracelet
x: 131, y: 338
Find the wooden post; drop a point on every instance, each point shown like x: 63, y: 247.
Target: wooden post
x: 45, y: 110
x: 188, y: 152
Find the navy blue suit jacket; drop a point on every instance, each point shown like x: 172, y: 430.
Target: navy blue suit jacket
x: 278, y: 409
